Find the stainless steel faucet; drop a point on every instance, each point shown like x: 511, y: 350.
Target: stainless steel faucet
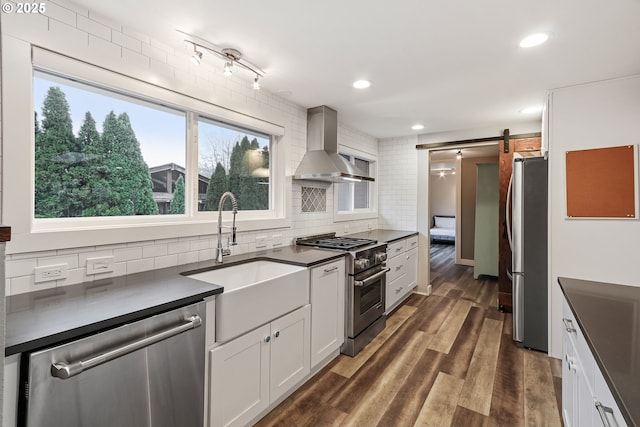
x: 220, y: 252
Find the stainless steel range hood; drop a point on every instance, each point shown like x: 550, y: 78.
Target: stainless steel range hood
x: 322, y: 161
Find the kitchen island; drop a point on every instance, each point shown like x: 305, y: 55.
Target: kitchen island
x: 608, y: 320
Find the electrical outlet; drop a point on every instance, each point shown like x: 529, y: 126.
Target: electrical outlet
x: 346, y: 228
x: 261, y: 242
x: 49, y: 273
x: 370, y: 226
x: 100, y: 265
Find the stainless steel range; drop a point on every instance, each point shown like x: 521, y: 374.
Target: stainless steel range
x: 366, y: 282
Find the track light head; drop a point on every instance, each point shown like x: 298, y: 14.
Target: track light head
x: 196, y: 58
x: 459, y: 155
x: 227, y: 68
x: 256, y: 83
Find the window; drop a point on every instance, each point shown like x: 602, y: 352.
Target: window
x: 62, y: 181
x: 100, y: 153
x: 233, y: 159
x: 355, y: 196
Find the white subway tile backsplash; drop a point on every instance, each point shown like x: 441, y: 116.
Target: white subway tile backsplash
x: 127, y: 254
x: 139, y: 265
x: 154, y: 250
x: 20, y: 268
x: 127, y: 41
x: 166, y: 261
x: 93, y: 27
x: 177, y: 248
x: 61, y: 13
x: 71, y: 260
x: 187, y: 257
x: 135, y: 59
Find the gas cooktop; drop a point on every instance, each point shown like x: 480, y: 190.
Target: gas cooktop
x: 331, y: 241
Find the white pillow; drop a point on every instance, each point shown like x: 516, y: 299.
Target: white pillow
x: 442, y: 222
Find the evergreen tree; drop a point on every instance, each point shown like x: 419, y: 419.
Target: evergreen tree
x: 218, y: 185
x: 177, y: 203
x: 95, y: 192
x: 127, y: 173
x: 55, y: 150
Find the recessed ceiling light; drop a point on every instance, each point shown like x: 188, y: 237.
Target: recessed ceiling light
x: 534, y: 40
x: 417, y: 127
x: 532, y: 110
x: 361, y: 84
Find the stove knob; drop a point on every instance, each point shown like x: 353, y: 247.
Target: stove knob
x: 380, y: 257
x: 362, y: 263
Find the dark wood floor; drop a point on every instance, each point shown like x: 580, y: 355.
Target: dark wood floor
x: 443, y: 360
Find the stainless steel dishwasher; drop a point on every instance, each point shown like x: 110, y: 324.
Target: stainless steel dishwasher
x: 146, y: 373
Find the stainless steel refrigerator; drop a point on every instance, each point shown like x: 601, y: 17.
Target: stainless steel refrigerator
x: 528, y: 241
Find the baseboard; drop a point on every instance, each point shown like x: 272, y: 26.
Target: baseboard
x: 467, y: 262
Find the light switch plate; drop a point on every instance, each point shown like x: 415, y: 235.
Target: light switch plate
x: 100, y: 265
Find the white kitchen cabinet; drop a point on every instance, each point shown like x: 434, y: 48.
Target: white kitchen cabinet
x: 250, y: 372
x: 327, y: 310
x: 586, y: 398
x: 402, y: 278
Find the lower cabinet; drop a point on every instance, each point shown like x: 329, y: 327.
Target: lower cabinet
x: 402, y: 278
x: 586, y: 398
x: 327, y: 310
x: 250, y: 372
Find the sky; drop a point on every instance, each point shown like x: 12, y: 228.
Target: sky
x: 159, y: 130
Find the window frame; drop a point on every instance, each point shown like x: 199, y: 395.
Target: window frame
x: 37, y: 234
x: 357, y: 214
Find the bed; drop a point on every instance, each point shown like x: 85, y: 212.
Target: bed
x: 443, y: 229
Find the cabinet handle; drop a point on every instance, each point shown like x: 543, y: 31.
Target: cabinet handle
x: 329, y: 270
x: 277, y: 334
x: 602, y: 411
x: 414, y: 243
x: 568, y: 325
x: 398, y: 290
x: 398, y: 249
x: 399, y: 267
x: 267, y: 338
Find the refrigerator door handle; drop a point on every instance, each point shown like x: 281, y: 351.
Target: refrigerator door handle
x: 518, y: 306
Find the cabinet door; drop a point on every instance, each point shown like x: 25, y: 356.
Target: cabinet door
x: 290, y: 350
x: 608, y: 406
x: 327, y: 310
x: 411, y: 279
x: 239, y: 379
x: 569, y: 397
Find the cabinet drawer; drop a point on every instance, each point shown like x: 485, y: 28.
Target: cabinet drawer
x: 394, y: 292
x: 412, y: 243
x: 397, y: 267
x: 396, y: 248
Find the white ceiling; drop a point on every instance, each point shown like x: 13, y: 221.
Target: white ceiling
x: 446, y: 64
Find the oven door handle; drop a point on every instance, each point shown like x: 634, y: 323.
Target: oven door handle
x: 369, y: 280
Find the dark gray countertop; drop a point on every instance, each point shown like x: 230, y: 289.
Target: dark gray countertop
x: 609, y: 317
x: 387, y: 236
x: 43, y: 318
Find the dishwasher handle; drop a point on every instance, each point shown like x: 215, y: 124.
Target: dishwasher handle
x: 66, y: 370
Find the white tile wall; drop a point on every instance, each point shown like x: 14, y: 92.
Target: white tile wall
x: 82, y: 34
x: 397, y: 184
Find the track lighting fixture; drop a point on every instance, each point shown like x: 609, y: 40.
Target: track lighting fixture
x: 230, y: 57
x: 196, y: 57
x: 227, y: 68
x: 459, y: 155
